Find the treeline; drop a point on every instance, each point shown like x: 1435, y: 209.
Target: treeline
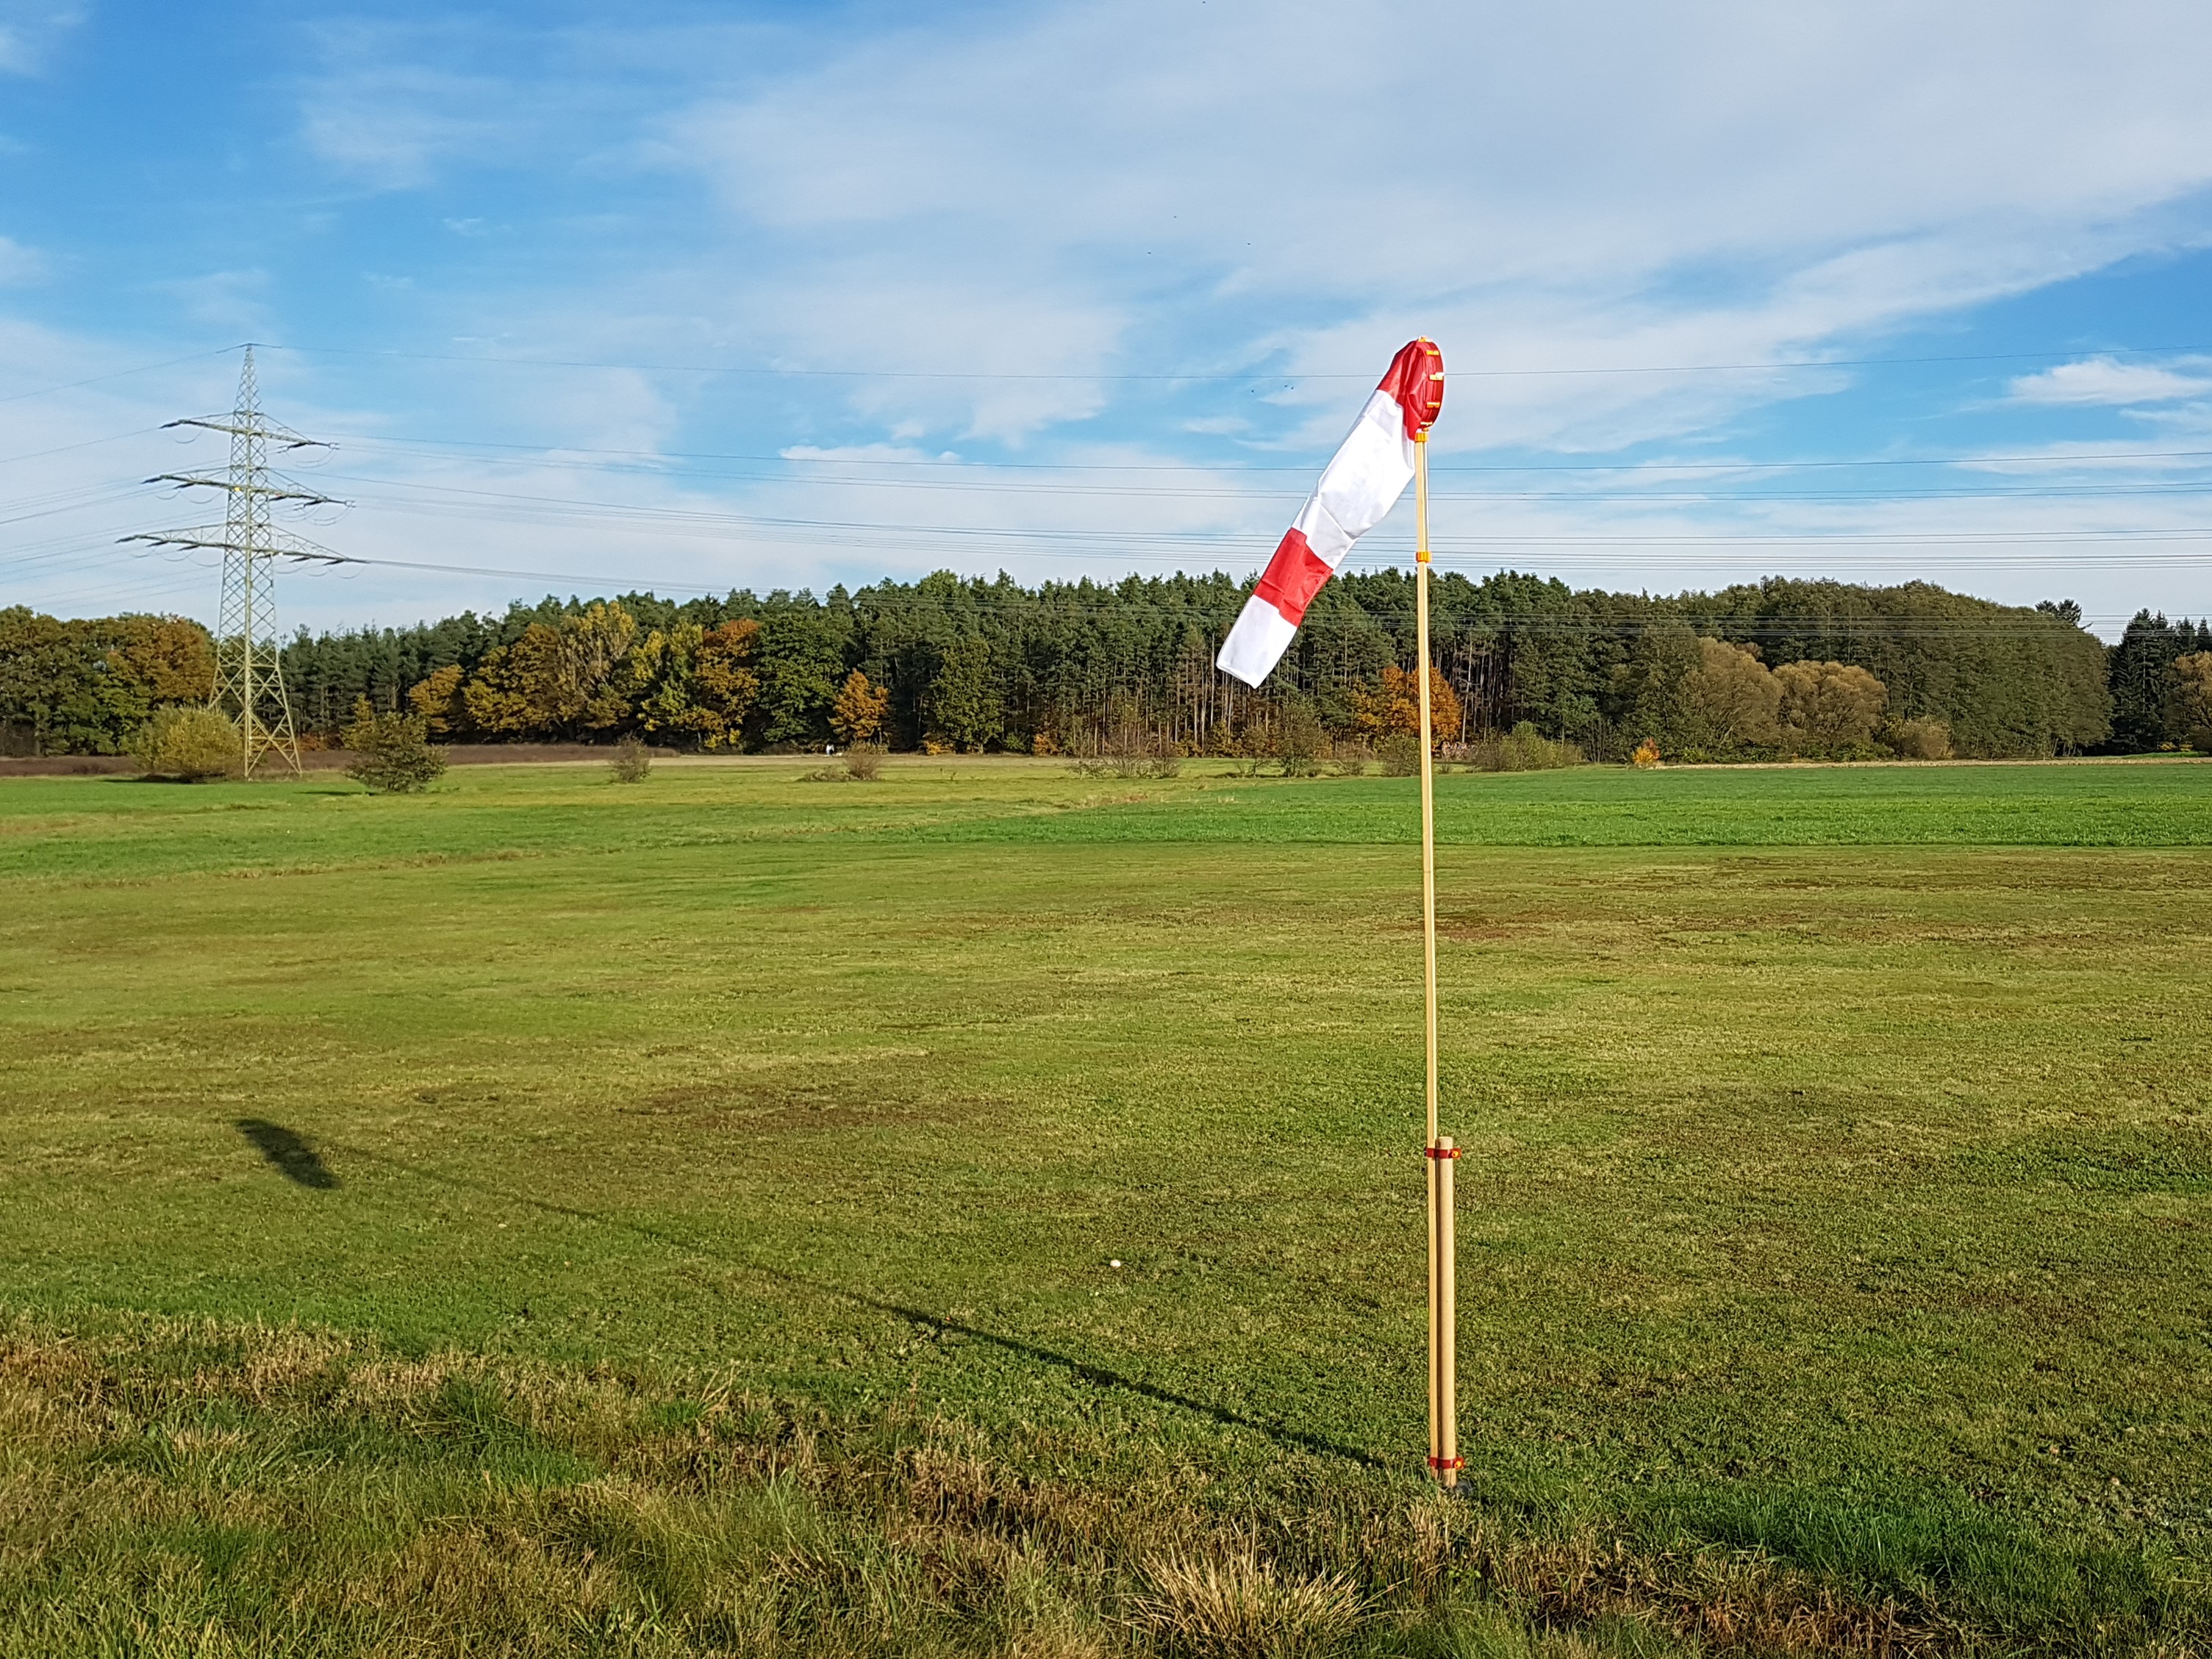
x: 85, y: 686
x: 973, y: 665
x: 948, y: 664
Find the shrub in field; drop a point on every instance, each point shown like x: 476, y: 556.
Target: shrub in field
x: 192, y: 745
x: 1920, y: 739
x: 1302, y: 742
x: 1127, y: 748
x: 1647, y: 753
x: 1400, y: 754
x: 1524, y: 749
x: 1350, y: 757
x: 630, y: 761
x: 395, y: 754
x: 862, y: 764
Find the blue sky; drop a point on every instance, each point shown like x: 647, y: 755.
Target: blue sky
x: 696, y: 297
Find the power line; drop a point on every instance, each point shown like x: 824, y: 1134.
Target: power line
x: 142, y: 368
x: 983, y: 484
x: 572, y: 507
x: 554, y: 451
x: 1249, y: 377
x: 90, y: 443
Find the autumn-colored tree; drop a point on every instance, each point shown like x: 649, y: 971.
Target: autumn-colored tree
x: 727, y: 683
x: 659, y: 679
x: 512, y: 694
x: 858, y: 715
x: 592, y: 648
x: 163, y: 659
x: 1396, y: 706
x: 87, y: 686
x: 1730, y: 698
x: 553, y: 682
x: 1925, y: 739
x: 693, y: 682
x: 1828, y: 706
x: 438, y: 702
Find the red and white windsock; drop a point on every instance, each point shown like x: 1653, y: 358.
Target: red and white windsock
x: 1358, y: 488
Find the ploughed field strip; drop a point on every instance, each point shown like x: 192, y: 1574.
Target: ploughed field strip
x: 1840, y: 1151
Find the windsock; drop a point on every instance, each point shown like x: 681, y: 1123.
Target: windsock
x: 1361, y: 485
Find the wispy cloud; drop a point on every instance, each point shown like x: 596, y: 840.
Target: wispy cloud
x: 391, y: 126
x: 30, y: 30
x: 20, y: 266
x: 2106, y: 380
x: 1603, y: 185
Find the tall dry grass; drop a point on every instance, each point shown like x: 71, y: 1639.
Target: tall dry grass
x: 188, y: 1488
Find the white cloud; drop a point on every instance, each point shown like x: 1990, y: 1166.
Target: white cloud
x: 1003, y: 209
x: 1574, y: 184
x: 2105, y: 380
x: 894, y: 453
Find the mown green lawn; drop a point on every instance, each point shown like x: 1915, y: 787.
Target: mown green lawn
x: 1839, y: 1141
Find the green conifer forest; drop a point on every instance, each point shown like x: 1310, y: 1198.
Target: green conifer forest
x: 951, y: 663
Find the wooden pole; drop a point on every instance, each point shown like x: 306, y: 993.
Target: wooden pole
x: 1438, y: 1154
x: 1447, y: 1318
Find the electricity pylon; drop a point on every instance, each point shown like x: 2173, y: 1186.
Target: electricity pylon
x: 249, y: 677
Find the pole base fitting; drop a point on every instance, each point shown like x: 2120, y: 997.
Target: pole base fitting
x: 1448, y: 1462
x: 1441, y: 1151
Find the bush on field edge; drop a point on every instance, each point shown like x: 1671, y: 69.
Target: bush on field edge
x: 630, y: 763
x: 396, y: 756
x: 1524, y: 749
x: 190, y: 743
x: 861, y: 763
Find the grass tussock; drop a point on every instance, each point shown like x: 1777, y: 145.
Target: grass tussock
x: 194, y: 1488
x: 1239, y: 1608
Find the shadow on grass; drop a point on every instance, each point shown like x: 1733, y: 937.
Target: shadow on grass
x: 292, y: 1159
x: 1082, y: 1371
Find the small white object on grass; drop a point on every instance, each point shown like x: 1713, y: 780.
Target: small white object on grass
x: 1115, y: 1262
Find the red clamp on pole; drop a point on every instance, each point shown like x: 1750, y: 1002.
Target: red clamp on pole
x: 1442, y: 1152
x: 1448, y: 1462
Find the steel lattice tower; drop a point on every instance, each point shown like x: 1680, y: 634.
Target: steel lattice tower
x: 249, y: 679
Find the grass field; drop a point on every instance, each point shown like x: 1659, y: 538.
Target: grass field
x: 549, y: 1216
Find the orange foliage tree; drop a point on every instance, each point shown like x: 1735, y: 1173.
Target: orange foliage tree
x: 858, y: 715
x: 1396, y: 706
